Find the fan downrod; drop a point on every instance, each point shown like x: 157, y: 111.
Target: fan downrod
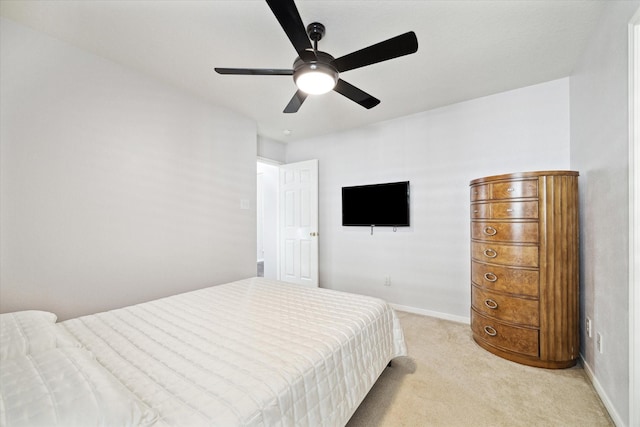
x: 316, y: 31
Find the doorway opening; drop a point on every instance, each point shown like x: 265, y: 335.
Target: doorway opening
x: 267, y: 219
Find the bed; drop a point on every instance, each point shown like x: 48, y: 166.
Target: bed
x: 255, y: 352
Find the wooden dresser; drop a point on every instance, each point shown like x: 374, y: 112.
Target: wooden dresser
x: 524, y: 267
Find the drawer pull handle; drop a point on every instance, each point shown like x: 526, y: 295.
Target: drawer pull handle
x: 510, y: 210
x: 511, y: 189
x: 476, y: 211
x: 490, y: 231
x: 490, y: 331
x: 491, y: 304
x: 490, y: 253
x: 490, y: 277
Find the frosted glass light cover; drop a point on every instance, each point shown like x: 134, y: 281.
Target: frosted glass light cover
x: 315, y: 82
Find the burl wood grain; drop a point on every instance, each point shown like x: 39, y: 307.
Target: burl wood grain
x: 524, y: 266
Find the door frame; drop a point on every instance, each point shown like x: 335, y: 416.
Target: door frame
x: 634, y: 219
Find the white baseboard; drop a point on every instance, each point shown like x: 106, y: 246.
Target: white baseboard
x: 437, y: 314
x: 602, y: 394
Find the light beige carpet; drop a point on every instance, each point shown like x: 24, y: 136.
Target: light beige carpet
x: 448, y: 380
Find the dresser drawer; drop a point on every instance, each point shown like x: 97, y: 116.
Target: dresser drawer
x: 514, y: 210
x: 511, y: 338
x: 508, y: 308
x: 514, y: 189
x: 505, y: 190
x: 522, y: 256
x: 480, y: 192
x: 523, y: 232
x: 515, y: 281
x: 481, y: 210
x: 505, y: 210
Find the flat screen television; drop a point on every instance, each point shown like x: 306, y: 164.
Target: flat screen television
x: 381, y: 205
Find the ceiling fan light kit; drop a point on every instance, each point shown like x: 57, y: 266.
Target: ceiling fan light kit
x: 316, y: 72
x: 315, y: 77
x: 314, y: 80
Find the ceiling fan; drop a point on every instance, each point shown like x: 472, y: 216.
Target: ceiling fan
x: 315, y: 72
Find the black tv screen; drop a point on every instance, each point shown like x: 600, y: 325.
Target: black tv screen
x: 378, y: 204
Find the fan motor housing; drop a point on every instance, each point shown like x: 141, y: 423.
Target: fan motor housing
x: 323, y: 58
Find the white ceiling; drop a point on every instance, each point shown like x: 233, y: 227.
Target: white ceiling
x: 467, y: 49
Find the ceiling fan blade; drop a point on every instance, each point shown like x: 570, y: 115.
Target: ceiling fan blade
x: 395, y: 47
x: 287, y: 15
x: 355, y: 94
x: 295, y: 103
x: 255, y: 71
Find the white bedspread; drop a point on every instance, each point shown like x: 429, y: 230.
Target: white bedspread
x: 253, y: 352
x: 65, y: 387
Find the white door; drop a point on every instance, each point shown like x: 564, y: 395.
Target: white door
x: 298, y: 223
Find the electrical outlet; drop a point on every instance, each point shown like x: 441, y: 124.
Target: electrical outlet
x: 599, y: 344
x: 387, y: 280
x: 588, y: 327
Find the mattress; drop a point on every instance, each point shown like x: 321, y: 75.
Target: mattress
x: 255, y: 352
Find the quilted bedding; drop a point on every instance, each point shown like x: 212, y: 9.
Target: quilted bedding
x: 255, y: 352
x: 47, y: 380
x: 66, y: 387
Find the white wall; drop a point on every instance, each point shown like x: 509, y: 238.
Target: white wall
x: 272, y: 150
x: 439, y: 151
x: 599, y: 149
x: 115, y: 188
